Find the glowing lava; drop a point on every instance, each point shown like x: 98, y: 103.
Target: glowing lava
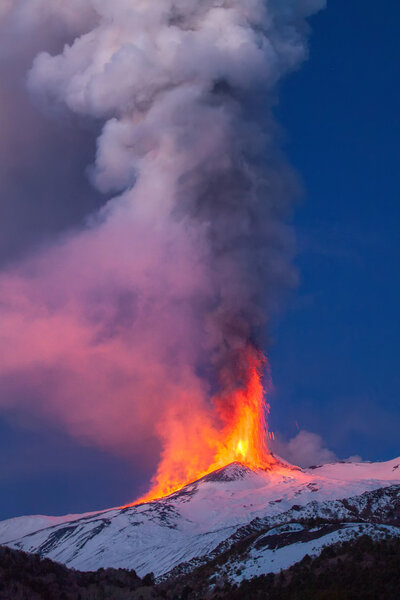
x: 242, y: 448
x: 240, y: 435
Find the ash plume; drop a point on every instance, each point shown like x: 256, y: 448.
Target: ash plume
x: 125, y: 326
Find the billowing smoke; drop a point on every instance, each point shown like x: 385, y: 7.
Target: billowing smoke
x: 307, y: 449
x: 125, y: 327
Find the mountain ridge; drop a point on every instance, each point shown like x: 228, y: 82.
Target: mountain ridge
x: 192, y: 523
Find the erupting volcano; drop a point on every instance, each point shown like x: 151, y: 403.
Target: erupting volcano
x: 141, y: 326
x: 242, y: 435
x: 140, y: 330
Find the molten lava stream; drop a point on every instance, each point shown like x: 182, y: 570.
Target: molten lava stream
x: 242, y: 436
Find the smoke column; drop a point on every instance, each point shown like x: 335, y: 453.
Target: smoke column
x: 123, y: 329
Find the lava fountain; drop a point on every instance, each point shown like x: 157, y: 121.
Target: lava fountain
x: 241, y: 433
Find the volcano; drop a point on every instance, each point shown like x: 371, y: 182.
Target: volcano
x: 277, y: 516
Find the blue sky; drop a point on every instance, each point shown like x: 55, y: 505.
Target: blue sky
x: 335, y: 359
x: 335, y: 345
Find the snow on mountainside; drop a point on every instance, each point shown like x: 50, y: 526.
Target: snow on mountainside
x: 210, y: 515
x: 274, y: 543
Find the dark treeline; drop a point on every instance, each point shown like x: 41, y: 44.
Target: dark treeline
x: 29, y: 577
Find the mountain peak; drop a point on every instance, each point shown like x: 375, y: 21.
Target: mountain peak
x: 237, y: 470
x: 232, y: 472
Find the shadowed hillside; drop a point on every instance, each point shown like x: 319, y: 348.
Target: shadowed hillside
x: 29, y: 577
x: 358, y: 570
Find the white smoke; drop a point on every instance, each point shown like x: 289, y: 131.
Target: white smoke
x: 307, y: 449
x: 123, y: 326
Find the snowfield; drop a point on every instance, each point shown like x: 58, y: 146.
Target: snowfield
x: 206, y: 518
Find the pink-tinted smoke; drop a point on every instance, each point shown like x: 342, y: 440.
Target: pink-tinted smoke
x: 119, y: 330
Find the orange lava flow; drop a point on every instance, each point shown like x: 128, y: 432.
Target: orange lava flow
x: 241, y: 435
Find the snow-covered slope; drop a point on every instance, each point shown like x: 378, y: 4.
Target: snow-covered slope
x: 276, y: 542
x: 261, y: 559
x: 22, y: 526
x: 160, y: 535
